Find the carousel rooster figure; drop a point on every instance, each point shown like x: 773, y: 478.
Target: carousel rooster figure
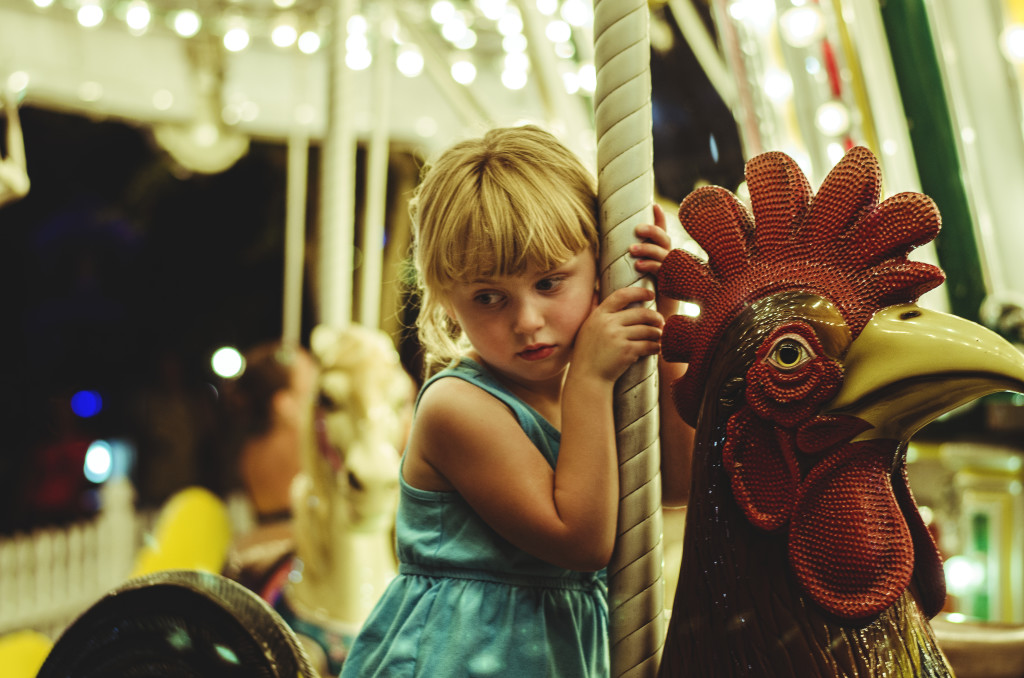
x: 810, y: 367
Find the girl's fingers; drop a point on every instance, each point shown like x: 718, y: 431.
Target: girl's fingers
x: 647, y: 336
x: 648, y: 251
x: 641, y: 316
x: 648, y: 266
x: 659, y: 216
x: 653, y: 234
x: 624, y: 296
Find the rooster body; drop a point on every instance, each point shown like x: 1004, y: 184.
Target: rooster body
x: 739, y: 610
x: 809, y: 370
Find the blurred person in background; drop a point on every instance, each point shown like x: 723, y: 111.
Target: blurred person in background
x: 265, y: 410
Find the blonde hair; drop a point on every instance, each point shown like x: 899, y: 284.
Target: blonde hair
x: 513, y: 199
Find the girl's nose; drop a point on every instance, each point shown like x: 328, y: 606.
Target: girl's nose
x: 529, y: 318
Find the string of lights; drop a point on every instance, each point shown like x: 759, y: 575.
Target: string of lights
x: 470, y: 30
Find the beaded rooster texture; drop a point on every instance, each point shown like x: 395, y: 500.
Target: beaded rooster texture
x: 854, y: 536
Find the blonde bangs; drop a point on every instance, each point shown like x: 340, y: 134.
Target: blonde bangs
x: 510, y: 227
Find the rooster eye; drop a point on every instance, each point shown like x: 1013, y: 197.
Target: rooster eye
x: 789, y: 353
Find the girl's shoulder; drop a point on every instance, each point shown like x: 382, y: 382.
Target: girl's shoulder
x: 437, y: 426
x: 465, y: 380
x: 453, y: 398
x: 455, y: 430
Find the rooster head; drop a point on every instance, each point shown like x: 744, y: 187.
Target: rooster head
x: 812, y: 358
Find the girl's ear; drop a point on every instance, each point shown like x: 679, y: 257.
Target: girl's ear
x: 453, y: 322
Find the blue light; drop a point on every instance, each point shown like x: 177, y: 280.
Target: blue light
x: 86, y: 404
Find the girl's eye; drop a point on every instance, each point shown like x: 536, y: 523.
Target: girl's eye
x: 487, y: 298
x: 789, y: 353
x: 550, y: 284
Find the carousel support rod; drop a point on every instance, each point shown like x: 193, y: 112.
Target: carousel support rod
x: 470, y: 110
x: 296, y: 196
x: 565, y: 113
x: 703, y: 46
x: 337, y: 223
x: 625, y: 159
x: 371, y: 271
x: 295, y: 234
x: 14, y: 181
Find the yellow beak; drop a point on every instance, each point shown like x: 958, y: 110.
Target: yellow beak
x: 909, y: 365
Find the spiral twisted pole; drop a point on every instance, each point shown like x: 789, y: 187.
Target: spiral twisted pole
x: 625, y: 152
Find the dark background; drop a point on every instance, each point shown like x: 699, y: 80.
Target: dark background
x: 123, y: 274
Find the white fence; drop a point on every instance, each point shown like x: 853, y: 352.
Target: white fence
x: 49, y: 577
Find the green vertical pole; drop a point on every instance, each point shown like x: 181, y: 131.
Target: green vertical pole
x: 933, y: 136
x: 980, y: 528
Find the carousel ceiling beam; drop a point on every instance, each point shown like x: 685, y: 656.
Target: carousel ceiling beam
x: 564, y: 111
x: 704, y: 48
x: 471, y: 111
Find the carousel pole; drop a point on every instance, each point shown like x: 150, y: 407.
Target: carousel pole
x: 295, y: 235
x: 296, y: 192
x: 371, y: 270
x: 337, y: 222
x: 625, y: 192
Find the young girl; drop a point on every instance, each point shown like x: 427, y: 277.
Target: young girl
x: 509, y: 487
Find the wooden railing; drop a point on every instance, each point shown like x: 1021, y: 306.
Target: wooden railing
x: 50, y: 576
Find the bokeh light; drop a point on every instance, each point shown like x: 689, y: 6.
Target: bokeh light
x: 463, y: 72
x: 227, y: 362
x: 187, y: 23
x: 90, y: 15
x: 964, y: 575
x: 99, y: 462
x: 86, y: 404
x: 410, y: 62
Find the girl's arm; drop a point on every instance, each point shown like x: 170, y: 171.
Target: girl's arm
x: 567, y: 515
x: 676, y: 436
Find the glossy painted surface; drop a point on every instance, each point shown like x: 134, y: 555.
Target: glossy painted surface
x: 933, y: 362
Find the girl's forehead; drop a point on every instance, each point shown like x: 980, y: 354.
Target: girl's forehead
x: 530, y: 270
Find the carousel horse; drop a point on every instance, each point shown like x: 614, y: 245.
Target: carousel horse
x: 344, y: 499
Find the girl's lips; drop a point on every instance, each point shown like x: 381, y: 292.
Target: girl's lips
x: 536, y: 353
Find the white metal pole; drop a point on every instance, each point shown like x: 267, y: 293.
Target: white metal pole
x: 295, y: 235
x: 337, y: 223
x: 371, y: 271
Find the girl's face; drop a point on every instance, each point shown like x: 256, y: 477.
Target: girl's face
x: 523, y: 326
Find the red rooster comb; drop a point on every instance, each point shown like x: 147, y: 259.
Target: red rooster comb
x: 840, y: 244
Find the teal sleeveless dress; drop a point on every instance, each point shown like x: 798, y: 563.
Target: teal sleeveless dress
x: 466, y: 602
